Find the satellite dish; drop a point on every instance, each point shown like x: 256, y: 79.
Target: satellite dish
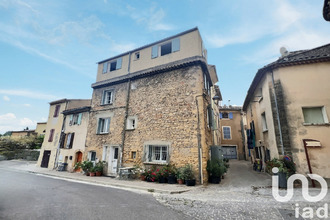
x: 284, y: 51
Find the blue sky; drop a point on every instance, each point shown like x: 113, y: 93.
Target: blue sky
x: 49, y: 49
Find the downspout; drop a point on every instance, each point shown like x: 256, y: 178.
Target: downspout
x: 60, y: 140
x: 199, y: 142
x: 277, y: 114
x: 126, y: 111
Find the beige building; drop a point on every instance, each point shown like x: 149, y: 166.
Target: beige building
x: 21, y: 134
x: 73, y: 137
x: 232, y: 143
x: 50, y: 147
x: 41, y: 128
x: 288, y: 105
x: 152, y: 106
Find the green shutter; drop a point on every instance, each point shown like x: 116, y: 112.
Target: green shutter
x: 119, y: 63
x: 79, y: 118
x: 154, y: 51
x: 175, y: 44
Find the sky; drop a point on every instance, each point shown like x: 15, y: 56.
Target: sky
x: 49, y: 49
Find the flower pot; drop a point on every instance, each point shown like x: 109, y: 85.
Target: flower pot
x: 143, y: 178
x: 171, y: 180
x: 282, y: 181
x: 190, y: 182
x: 162, y: 179
x: 92, y: 174
x: 87, y: 173
x: 214, y: 180
x: 180, y: 181
x: 98, y: 173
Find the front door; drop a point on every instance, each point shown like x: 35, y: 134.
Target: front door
x: 113, y: 160
x: 229, y: 152
x: 45, y: 158
x: 79, y: 159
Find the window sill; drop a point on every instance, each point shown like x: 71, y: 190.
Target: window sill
x: 130, y: 129
x: 155, y: 163
x: 103, y: 133
x: 106, y: 104
x: 264, y: 131
x: 316, y: 124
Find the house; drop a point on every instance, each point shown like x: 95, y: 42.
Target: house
x: 50, y: 147
x: 41, y: 128
x: 232, y: 143
x: 152, y: 106
x: 288, y: 107
x: 24, y: 133
x: 73, y: 137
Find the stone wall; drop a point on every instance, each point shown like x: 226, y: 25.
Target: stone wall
x: 165, y: 106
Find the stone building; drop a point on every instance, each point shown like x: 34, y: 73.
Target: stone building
x: 288, y: 107
x: 73, y: 137
x: 150, y: 106
x: 232, y: 143
x: 50, y: 147
x: 41, y: 128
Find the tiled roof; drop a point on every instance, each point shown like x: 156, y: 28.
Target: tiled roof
x: 318, y: 54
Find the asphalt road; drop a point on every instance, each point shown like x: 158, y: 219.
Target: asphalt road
x: 29, y: 196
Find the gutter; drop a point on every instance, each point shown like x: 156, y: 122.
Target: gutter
x: 199, y: 142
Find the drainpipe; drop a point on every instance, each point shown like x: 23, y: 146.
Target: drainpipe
x: 277, y: 114
x: 199, y: 142
x: 60, y: 140
x: 126, y: 111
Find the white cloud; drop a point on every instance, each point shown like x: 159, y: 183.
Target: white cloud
x: 29, y: 94
x: 151, y: 17
x: 27, y: 105
x: 9, y: 122
x: 120, y: 48
x: 6, y: 98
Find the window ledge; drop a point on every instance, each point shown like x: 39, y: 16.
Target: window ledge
x: 264, y: 131
x: 155, y: 163
x: 130, y: 129
x: 316, y: 124
x: 103, y: 133
x: 106, y: 104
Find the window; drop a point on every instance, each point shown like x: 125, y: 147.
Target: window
x: 107, y: 97
x: 133, y: 155
x: 264, y: 122
x: 226, y: 115
x: 137, y: 56
x: 206, y: 84
x: 226, y: 132
x: 157, y: 153
x: 315, y: 115
x: 57, y: 111
x: 51, y: 135
x: 67, y: 140
x: 103, y: 125
x: 75, y: 119
x: 131, y: 122
x: 92, y: 156
x: 105, y: 67
x: 166, y: 48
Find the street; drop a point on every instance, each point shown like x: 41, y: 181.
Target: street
x: 29, y: 196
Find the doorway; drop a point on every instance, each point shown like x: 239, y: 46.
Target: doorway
x: 45, y: 159
x: 113, y: 160
x: 229, y: 152
x: 78, y: 159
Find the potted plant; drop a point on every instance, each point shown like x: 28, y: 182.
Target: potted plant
x: 179, y: 176
x: 215, y: 169
x: 143, y: 175
x: 171, y: 179
x: 77, y: 167
x: 92, y: 171
x: 188, y: 175
x: 99, y: 168
x: 86, y: 166
x: 286, y: 168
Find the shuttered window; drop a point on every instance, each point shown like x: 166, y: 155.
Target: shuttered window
x: 103, y: 125
x: 105, y: 67
x: 166, y: 48
x: 226, y: 132
x: 57, y: 111
x: 51, y: 135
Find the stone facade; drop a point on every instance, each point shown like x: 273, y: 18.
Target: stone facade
x: 165, y: 107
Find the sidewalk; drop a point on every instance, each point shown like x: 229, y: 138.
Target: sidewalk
x: 30, y: 167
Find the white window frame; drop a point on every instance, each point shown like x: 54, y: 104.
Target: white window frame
x: 324, y: 115
x: 105, y: 97
x: 105, y: 125
x: 153, y: 157
x: 156, y: 50
x: 223, y: 132
x: 131, y: 123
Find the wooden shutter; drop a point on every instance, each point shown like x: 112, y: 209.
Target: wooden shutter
x: 71, y: 120
x: 154, y: 51
x: 175, y: 44
x: 79, y: 118
x: 105, y: 67
x: 230, y: 115
x: 71, y: 140
x: 51, y: 135
x: 119, y: 63
x: 209, y: 111
x: 220, y: 114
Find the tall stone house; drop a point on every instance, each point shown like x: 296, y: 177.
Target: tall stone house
x: 153, y: 106
x: 232, y: 143
x: 51, y: 145
x: 288, y: 107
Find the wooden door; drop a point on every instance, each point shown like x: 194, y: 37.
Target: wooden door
x: 45, y: 158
